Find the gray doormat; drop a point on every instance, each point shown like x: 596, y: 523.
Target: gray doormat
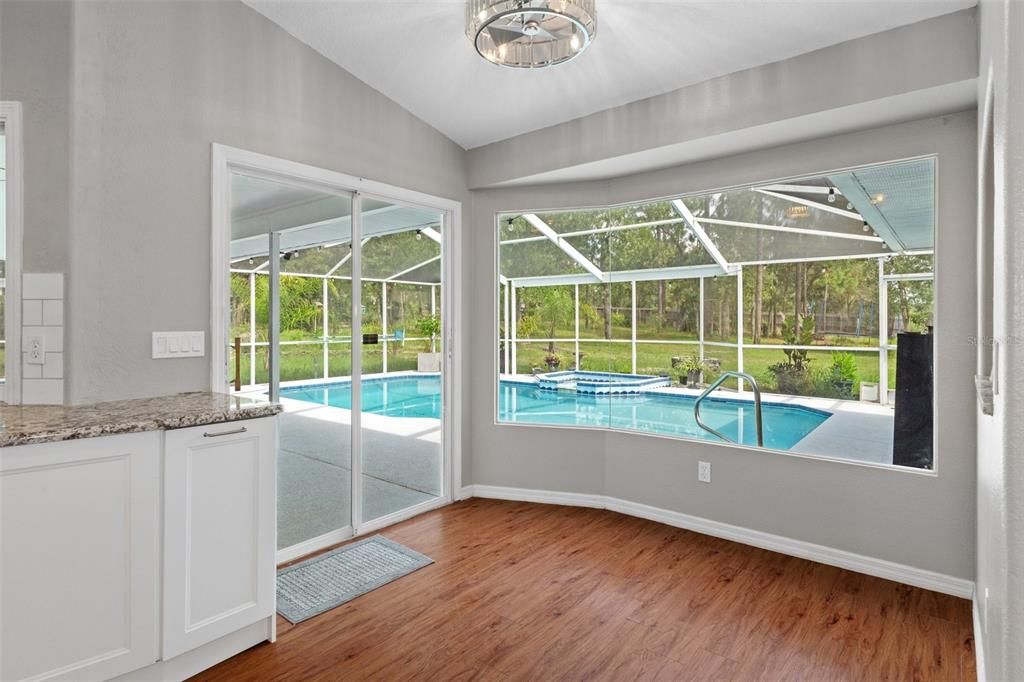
x: 319, y: 584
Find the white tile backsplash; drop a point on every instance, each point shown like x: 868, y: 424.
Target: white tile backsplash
x: 53, y: 313
x: 42, y: 391
x: 32, y: 312
x: 53, y: 337
x: 53, y: 368
x: 43, y: 315
x: 42, y: 285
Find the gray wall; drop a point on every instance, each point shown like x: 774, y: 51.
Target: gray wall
x: 918, y: 519
x: 1000, y: 494
x: 896, y: 75
x: 35, y: 69
x: 155, y: 84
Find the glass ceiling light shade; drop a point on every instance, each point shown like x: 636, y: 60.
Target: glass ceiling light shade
x: 530, y: 34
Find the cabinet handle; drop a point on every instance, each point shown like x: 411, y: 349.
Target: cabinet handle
x: 207, y: 434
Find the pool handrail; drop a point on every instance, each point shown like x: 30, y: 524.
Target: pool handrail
x: 757, y: 405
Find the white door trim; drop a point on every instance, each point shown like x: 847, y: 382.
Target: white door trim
x: 10, y: 115
x: 224, y: 161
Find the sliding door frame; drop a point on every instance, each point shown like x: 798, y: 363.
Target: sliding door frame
x: 11, y: 117
x: 226, y: 160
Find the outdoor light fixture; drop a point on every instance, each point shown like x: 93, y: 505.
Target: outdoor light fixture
x: 419, y: 235
x: 866, y: 226
x: 530, y: 34
x: 831, y: 195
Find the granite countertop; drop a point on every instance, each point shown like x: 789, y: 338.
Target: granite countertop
x: 28, y: 424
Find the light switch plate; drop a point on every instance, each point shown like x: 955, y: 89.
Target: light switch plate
x: 179, y: 345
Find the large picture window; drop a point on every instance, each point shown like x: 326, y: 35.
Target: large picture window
x: 815, y: 294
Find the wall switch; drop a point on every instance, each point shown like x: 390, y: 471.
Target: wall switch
x: 35, y: 350
x: 704, y: 472
x: 179, y: 345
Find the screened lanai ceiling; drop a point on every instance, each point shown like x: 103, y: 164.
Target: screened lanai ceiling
x: 399, y: 243
x: 863, y: 213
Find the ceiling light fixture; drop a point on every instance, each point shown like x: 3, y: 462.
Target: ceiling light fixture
x: 831, y: 195
x: 530, y: 34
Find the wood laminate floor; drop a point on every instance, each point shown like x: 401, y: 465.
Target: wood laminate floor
x: 523, y: 591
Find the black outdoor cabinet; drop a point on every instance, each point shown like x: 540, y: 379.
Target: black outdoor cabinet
x: 913, y: 423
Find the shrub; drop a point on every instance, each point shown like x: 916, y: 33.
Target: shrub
x: 843, y: 374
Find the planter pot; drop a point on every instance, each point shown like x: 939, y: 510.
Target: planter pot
x: 428, y: 362
x: 844, y: 389
x: 868, y: 392
x: 694, y: 377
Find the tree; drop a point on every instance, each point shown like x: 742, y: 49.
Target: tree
x: 550, y: 308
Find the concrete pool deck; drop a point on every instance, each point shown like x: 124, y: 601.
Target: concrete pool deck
x: 401, y: 466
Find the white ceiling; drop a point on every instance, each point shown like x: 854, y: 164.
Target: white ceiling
x: 416, y: 52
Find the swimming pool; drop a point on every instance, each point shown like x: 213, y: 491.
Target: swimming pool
x: 524, y: 403
x: 400, y: 396
x: 661, y: 413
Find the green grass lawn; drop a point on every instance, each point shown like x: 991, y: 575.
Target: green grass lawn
x: 306, y: 362
x: 656, y: 359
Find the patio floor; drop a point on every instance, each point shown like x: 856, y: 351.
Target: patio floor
x: 401, y: 468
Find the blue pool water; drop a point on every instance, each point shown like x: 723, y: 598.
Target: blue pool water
x: 672, y: 415
x: 402, y: 396
x: 420, y: 396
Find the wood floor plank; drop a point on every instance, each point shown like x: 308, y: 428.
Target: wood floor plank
x: 523, y: 591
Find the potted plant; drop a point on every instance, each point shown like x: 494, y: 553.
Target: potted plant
x: 869, y: 391
x: 552, y: 361
x: 428, y: 328
x: 843, y: 374
x: 694, y: 368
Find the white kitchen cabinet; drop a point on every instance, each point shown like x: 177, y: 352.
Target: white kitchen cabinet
x: 219, y: 531
x: 80, y: 557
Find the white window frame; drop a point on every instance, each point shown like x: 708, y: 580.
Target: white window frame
x: 11, y: 117
x: 507, y: 313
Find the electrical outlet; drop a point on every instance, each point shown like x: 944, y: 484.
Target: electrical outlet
x: 35, y: 350
x: 704, y: 472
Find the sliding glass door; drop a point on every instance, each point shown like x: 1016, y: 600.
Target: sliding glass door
x: 335, y: 311
x: 400, y: 389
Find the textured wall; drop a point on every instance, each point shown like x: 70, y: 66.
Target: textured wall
x: 1000, y: 513
x: 155, y: 84
x: 35, y: 69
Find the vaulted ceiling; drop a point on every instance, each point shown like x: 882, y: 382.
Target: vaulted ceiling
x: 417, y: 53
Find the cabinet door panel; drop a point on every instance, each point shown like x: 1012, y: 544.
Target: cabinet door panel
x: 219, y: 531
x: 80, y: 557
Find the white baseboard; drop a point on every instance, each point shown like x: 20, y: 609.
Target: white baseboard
x: 542, y: 496
x: 890, y: 570
x: 979, y: 649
